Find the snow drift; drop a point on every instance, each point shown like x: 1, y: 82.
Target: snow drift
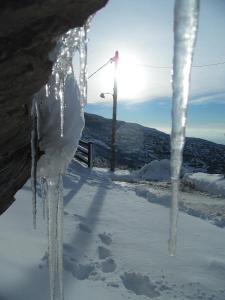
x: 214, y: 184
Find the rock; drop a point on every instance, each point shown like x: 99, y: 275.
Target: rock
x: 28, y: 33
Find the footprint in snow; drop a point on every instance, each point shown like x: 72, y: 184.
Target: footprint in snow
x: 79, y: 271
x: 113, y: 284
x: 140, y: 284
x: 67, y: 248
x: 108, y: 265
x: 84, y: 227
x: 103, y: 252
x: 105, y: 238
x: 79, y: 217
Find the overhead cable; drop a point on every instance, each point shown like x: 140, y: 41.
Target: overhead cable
x: 157, y: 67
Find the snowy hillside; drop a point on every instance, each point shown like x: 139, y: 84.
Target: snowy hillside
x: 138, y: 145
x: 115, y: 245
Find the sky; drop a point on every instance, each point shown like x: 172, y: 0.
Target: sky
x: 142, y: 32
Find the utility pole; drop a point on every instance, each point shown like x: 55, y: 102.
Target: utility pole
x: 115, y: 59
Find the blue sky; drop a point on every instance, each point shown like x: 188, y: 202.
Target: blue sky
x: 142, y: 31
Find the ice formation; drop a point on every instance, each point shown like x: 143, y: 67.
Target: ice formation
x: 185, y: 32
x: 34, y: 141
x: 58, y: 152
x: 58, y: 122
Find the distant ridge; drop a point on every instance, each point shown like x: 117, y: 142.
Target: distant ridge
x: 138, y: 145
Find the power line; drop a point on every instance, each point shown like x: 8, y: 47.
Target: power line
x: 210, y: 65
x: 105, y: 64
x: 194, y: 66
x: 157, y: 67
x: 153, y: 67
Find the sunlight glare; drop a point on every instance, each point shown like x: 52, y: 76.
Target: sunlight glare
x: 131, y: 77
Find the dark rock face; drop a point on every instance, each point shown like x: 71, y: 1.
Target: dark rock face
x: 28, y: 33
x: 138, y: 145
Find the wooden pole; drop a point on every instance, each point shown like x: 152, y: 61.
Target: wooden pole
x: 113, y: 145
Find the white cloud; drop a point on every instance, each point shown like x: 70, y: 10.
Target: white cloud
x: 213, y: 132
x: 215, y: 98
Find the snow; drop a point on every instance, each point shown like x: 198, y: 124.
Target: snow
x: 115, y: 246
x: 214, y: 184
x: 185, y: 33
x: 114, y: 242
x: 156, y: 170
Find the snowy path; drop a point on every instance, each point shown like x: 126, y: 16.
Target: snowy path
x: 115, y: 247
x: 192, y: 202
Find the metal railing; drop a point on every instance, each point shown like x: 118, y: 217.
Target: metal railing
x: 84, y: 153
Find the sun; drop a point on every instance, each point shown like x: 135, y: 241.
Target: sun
x: 130, y: 77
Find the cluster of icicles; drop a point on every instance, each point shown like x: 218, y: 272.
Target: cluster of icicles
x: 50, y: 172
x: 57, y: 125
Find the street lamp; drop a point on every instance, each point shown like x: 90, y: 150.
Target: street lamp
x: 102, y: 95
x: 115, y: 59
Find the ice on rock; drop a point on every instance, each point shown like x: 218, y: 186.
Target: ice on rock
x: 58, y: 152
x: 59, y: 125
x: 185, y: 32
x: 74, y: 40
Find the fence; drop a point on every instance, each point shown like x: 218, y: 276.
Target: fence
x: 84, y: 153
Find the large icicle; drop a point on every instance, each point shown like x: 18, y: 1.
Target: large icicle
x: 34, y: 147
x: 185, y: 32
x: 58, y: 152
x: 83, y: 63
x: 74, y: 40
x: 60, y: 124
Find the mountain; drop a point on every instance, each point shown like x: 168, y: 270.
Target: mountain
x: 138, y: 145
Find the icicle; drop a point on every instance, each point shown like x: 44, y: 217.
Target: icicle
x: 61, y: 122
x: 43, y: 185
x: 34, y: 145
x: 37, y: 121
x: 185, y: 32
x: 73, y: 40
x: 54, y: 198
x: 83, y: 64
x: 46, y: 90
x: 52, y: 236
x: 62, y: 104
x: 60, y: 213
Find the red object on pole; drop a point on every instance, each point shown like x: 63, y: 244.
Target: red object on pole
x: 115, y: 59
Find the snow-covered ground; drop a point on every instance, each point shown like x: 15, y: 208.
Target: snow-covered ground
x: 214, y: 184
x: 203, y: 195
x: 115, y: 245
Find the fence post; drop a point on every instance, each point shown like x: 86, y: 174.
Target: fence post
x: 90, y: 162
